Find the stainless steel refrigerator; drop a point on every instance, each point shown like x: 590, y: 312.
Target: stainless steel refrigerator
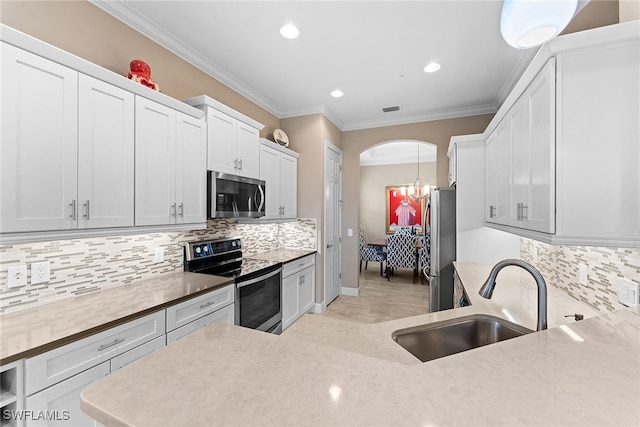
x: 443, y: 247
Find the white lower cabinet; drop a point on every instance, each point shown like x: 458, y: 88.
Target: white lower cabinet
x: 54, y: 380
x: 196, y: 313
x: 60, y: 403
x: 11, y: 394
x: 298, y: 289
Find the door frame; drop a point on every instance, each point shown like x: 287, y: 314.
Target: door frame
x: 329, y: 146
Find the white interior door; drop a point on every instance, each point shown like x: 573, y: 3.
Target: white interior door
x: 333, y: 222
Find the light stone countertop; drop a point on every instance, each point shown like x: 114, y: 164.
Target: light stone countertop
x: 283, y: 255
x: 330, y: 372
x: 32, y: 331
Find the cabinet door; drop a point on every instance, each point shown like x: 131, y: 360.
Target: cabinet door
x: 307, y: 289
x: 288, y: 185
x: 290, y: 300
x: 38, y: 149
x: 221, y: 154
x: 224, y: 315
x: 63, y: 399
x: 491, y: 177
x: 503, y: 172
x: 520, y: 162
x: 191, y: 169
x: 185, y: 330
x: 139, y: 352
x: 270, y: 174
x: 105, y: 154
x: 155, y: 163
x: 539, y: 213
x: 248, y: 150
x: 453, y: 166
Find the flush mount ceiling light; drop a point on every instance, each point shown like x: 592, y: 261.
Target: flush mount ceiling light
x: 337, y: 93
x: 529, y: 23
x: 289, y: 31
x: 432, y: 68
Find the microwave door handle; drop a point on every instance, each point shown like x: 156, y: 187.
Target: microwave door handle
x: 234, y: 205
x: 261, y: 198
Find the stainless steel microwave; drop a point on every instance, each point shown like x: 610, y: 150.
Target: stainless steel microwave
x: 232, y: 196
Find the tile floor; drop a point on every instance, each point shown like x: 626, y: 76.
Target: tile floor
x: 381, y: 300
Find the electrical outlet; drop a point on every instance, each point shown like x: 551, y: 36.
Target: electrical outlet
x: 583, y: 274
x: 17, y: 276
x: 158, y: 255
x: 40, y: 272
x: 629, y: 293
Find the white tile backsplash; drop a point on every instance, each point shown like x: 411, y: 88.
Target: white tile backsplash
x: 80, y: 266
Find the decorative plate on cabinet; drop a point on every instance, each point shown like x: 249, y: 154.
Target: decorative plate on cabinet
x: 281, y: 137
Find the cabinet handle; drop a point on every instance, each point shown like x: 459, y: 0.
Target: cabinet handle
x: 522, y: 214
x: 73, y: 209
x: 235, y: 164
x: 105, y: 346
x: 240, y: 164
x: 203, y: 306
x: 492, y: 211
x: 173, y: 210
x: 181, y: 207
x: 86, y: 205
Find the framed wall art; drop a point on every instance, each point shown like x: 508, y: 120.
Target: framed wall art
x: 402, y: 211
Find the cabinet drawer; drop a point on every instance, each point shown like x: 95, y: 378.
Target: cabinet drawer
x: 225, y: 315
x: 299, y: 264
x: 63, y: 400
x: 188, y: 311
x: 61, y: 363
x: 132, y: 355
x: 185, y: 330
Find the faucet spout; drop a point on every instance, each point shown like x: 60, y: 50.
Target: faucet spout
x: 486, y: 291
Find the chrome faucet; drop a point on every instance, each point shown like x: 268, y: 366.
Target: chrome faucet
x: 486, y: 291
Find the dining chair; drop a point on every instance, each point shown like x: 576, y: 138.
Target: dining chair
x: 424, y: 255
x: 401, y: 252
x: 369, y: 253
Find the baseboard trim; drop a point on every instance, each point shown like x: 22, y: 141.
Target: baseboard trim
x: 319, y: 308
x: 352, y: 292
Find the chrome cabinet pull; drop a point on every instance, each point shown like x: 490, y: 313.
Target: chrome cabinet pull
x: 86, y: 206
x: 492, y: 211
x: 235, y: 164
x: 181, y: 207
x: 240, y: 164
x: 173, y: 210
x: 73, y: 209
x: 105, y: 346
x: 203, y: 306
x: 522, y: 214
x: 519, y: 212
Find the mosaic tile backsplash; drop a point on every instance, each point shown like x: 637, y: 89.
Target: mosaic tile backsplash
x: 559, y: 267
x: 79, y: 266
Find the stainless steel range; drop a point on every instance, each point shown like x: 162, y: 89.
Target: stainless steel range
x: 258, y: 282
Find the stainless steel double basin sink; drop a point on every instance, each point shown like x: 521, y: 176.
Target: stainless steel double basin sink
x: 440, y: 339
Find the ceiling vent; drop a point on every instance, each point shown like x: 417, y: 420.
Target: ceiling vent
x: 390, y: 109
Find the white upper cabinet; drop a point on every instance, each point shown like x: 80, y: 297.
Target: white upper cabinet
x: 39, y: 143
x: 105, y: 155
x: 570, y: 131
x: 232, y: 138
x: 170, y: 171
x: 279, y: 170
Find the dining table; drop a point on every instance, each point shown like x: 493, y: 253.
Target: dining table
x: 382, y: 244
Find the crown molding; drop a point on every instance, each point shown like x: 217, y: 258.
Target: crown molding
x: 122, y: 12
x: 315, y: 109
x: 426, y: 117
x: 515, y: 75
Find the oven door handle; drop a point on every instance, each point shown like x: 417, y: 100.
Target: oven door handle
x: 258, y: 279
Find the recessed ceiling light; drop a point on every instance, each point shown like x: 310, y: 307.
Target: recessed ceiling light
x: 337, y: 93
x: 432, y: 68
x: 289, y: 31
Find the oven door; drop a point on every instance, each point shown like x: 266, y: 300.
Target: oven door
x: 258, y: 302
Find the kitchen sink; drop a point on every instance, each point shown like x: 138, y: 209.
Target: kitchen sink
x: 440, y: 339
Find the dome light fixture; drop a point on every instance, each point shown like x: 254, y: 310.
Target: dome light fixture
x: 289, y: 31
x: 432, y: 68
x: 529, y: 23
x: 337, y: 93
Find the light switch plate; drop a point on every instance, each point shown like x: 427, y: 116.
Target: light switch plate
x: 17, y: 276
x: 158, y: 255
x: 40, y: 272
x: 629, y: 293
x: 583, y: 275
x: 350, y: 232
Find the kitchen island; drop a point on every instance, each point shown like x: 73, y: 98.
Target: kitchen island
x: 329, y: 372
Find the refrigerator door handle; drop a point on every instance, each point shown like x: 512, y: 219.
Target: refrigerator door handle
x: 435, y: 231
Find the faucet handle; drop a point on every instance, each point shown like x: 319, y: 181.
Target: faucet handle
x: 576, y: 316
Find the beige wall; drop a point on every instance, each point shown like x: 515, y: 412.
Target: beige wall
x: 629, y: 10
x: 374, y: 179
x: 83, y: 29
x: 596, y: 13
